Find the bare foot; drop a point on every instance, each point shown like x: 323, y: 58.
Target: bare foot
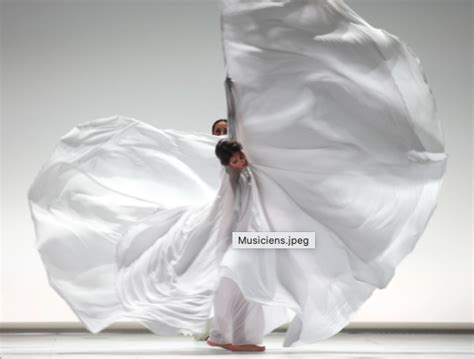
x: 215, y: 344
x: 247, y: 348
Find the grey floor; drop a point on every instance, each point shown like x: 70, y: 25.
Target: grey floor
x: 147, y: 345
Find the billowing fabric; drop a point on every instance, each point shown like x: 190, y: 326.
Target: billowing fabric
x: 339, y: 126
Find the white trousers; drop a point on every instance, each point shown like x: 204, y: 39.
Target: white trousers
x: 236, y: 319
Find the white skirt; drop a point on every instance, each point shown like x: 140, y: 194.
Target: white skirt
x: 236, y: 319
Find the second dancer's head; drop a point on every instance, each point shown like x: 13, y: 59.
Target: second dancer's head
x: 219, y: 127
x: 230, y: 154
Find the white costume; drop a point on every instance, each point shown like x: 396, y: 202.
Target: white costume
x: 236, y: 320
x: 339, y: 127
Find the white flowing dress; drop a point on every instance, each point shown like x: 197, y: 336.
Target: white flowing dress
x: 339, y: 126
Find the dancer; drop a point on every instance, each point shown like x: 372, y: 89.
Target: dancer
x: 238, y: 322
x: 219, y: 128
x: 341, y: 139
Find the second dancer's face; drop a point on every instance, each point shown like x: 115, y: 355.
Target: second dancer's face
x: 238, y: 161
x: 220, y: 129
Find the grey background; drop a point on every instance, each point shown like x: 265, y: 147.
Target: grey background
x: 66, y: 62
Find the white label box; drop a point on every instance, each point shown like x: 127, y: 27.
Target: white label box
x: 275, y: 240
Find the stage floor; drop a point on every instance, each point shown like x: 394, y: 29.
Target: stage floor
x: 359, y: 345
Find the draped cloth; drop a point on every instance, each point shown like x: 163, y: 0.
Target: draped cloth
x: 340, y: 129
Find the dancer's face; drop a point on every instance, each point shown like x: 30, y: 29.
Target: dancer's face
x: 220, y: 129
x: 238, y: 161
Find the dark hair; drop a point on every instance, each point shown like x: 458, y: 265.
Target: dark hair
x: 225, y: 149
x: 216, y: 122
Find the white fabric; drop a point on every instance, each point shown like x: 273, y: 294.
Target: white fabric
x: 236, y: 319
x: 339, y: 127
